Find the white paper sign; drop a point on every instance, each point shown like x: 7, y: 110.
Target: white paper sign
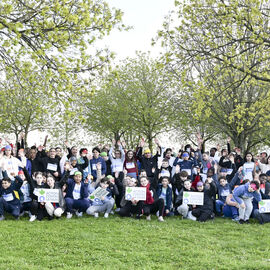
x: 264, y: 206
x: 130, y: 165
x: 98, y: 193
x: 195, y: 198
x: 136, y: 193
x: 52, y: 167
x: 47, y: 195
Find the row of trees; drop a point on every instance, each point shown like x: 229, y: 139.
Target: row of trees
x: 213, y: 78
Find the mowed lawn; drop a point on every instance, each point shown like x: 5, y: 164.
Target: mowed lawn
x: 116, y: 243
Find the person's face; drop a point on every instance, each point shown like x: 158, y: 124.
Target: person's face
x: 224, y: 153
x: 96, y: 154
x: 200, y: 188
x: 165, y: 164
x: 8, y: 152
x: 117, y: 154
x: 147, y: 155
x: 58, y: 152
x: 130, y: 155
x: 186, y: 157
x: 248, y: 157
x: 187, y: 185
x: 77, y: 178
x: 212, y: 152
x: 52, y: 153
x: 183, y: 179
x: 250, y: 189
x: 144, y: 182
x: 39, y: 178
x: 105, y: 158
x: 32, y: 153
x: 104, y: 185
x: 6, y: 184
x: 168, y: 154
x: 263, y: 179
x: 165, y: 182
x: 205, y: 156
x: 73, y: 163
x: 50, y: 182
x: 131, y: 182
x: 74, y: 151
x: 22, y: 176
x: 223, y: 182
x: 223, y: 174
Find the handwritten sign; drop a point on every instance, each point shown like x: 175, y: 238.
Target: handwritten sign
x: 136, y: 193
x: 195, y: 198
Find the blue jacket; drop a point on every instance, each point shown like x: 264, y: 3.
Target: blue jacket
x: 93, y: 163
x: 71, y: 184
x: 168, y: 196
x: 243, y: 191
x: 15, y: 186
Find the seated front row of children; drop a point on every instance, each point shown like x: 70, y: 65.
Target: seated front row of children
x: 75, y: 197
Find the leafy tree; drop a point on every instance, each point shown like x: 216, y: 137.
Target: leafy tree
x: 138, y: 100
x: 219, y: 52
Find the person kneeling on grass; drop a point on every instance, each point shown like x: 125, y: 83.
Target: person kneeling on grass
x: 243, y: 195
x: 164, y: 191
x: 76, y: 193
x: 132, y: 207
x: 204, y: 212
x: 105, y: 204
x: 9, y: 200
x: 150, y: 204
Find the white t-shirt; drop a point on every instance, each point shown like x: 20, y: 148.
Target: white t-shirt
x: 77, y: 192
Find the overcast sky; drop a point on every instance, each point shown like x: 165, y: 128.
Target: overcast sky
x: 146, y: 18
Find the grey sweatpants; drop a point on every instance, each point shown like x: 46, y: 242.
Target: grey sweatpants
x: 106, y: 208
x: 244, y: 213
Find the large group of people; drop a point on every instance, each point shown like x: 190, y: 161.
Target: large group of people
x: 232, y: 184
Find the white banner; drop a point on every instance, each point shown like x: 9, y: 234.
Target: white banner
x: 193, y: 198
x: 264, y: 206
x: 47, y: 195
x: 136, y: 193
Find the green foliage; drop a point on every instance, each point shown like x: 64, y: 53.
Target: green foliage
x: 102, y: 244
x: 136, y: 98
x: 220, y: 51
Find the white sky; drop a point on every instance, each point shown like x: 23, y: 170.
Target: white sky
x: 146, y: 18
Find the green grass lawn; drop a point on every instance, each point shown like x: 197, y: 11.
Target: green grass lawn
x: 116, y: 243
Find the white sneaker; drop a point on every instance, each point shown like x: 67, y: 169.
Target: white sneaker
x: 33, y: 218
x: 148, y: 217
x: 190, y: 216
x: 96, y: 215
x: 69, y: 215
x: 160, y: 218
x: 117, y: 210
x: 112, y: 213
x: 79, y: 214
x: 106, y: 215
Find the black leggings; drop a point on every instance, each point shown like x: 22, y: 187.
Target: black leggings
x: 202, y: 214
x: 158, y: 205
x: 130, y: 208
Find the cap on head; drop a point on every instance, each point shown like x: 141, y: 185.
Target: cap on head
x: 8, y: 147
x: 147, y: 151
x: 72, y: 158
x: 77, y: 173
x: 103, y: 154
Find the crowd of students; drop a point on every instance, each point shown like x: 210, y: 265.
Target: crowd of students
x: 232, y: 184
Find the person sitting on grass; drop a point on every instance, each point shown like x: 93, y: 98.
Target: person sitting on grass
x: 76, y: 194
x: 132, y: 207
x: 204, y: 212
x: 164, y: 191
x: 105, y: 203
x: 52, y: 208
x: 150, y: 204
x: 9, y: 200
x: 243, y: 195
x: 182, y: 208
